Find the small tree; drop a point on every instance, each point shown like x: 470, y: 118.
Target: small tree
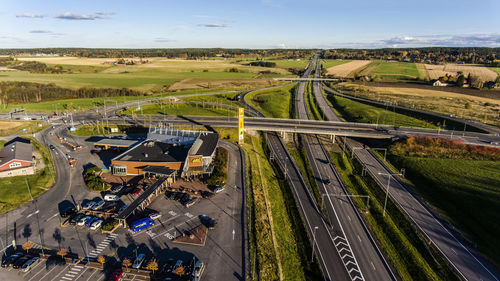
x: 63, y: 252
x: 152, y: 265
x: 179, y: 270
x: 27, y: 246
x: 101, y: 260
x: 126, y: 262
x: 468, y: 106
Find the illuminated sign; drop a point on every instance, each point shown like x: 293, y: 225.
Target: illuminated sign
x: 241, y: 115
x: 195, y: 161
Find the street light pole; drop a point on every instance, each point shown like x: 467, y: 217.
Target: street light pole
x: 387, y: 189
x: 314, y: 242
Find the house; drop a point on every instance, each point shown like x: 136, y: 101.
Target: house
x: 438, y: 83
x: 16, y: 158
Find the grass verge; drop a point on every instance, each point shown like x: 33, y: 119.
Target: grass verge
x: 273, y: 102
x: 276, y: 231
x: 353, y: 111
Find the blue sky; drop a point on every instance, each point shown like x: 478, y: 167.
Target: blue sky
x: 249, y: 24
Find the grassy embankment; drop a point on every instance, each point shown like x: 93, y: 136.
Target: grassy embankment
x: 183, y: 109
x: 14, y: 190
x: 311, y: 104
x: 411, y: 257
x: 273, y: 102
x: 8, y: 128
x: 462, y: 183
x: 353, y: 111
x: 496, y: 69
x: 279, y: 245
x: 393, y: 71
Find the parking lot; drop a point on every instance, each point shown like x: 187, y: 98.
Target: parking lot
x: 223, y: 251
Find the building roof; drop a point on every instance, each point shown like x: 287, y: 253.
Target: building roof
x: 137, y: 202
x: 116, y: 142
x: 206, y: 144
x: 159, y: 170
x: 16, y: 150
x: 153, y: 151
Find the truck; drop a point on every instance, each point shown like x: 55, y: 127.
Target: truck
x: 142, y: 224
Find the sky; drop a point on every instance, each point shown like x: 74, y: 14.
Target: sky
x: 249, y: 23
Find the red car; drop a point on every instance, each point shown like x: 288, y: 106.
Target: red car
x: 136, y: 191
x: 116, y: 275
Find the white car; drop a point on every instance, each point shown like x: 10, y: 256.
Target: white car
x: 219, y: 189
x: 27, y: 265
x: 98, y: 204
x: 88, y: 205
x: 83, y: 220
x: 95, y: 225
x: 154, y: 215
x: 111, y: 197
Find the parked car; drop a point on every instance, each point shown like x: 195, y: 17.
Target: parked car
x: 96, y: 224
x: 111, y: 197
x: 138, y: 261
x: 89, y: 222
x: 98, y: 204
x: 74, y: 220
x: 207, y: 194
x: 123, y: 207
x: 185, y: 198
x: 199, y: 267
x: 18, y: 263
x: 136, y: 191
x: 190, y: 203
x: 89, y: 204
x: 326, y: 181
x: 168, y: 266
x: 155, y: 215
x: 52, y: 147
x: 219, y: 189
x: 82, y: 221
x: 11, y: 259
x: 117, y: 188
x: 27, y: 265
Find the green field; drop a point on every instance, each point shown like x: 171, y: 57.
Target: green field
x: 353, y: 111
x: 156, y: 75
x: 466, y: 192
x: 228, y: 99
x: 392, y: 71
x: 330, y: 63
x: 14, y: 190
x: 273, y: 102
x: 497, y: 69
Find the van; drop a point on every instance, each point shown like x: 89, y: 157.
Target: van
x: 111, y: 197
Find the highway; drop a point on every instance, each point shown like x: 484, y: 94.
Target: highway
x: 462, y: 259
x: 365, y: 259
x: 317, y: 227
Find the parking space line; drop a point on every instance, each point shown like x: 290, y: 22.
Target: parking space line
x: 91, y: 275
x: 59, y: 272
x: 36, y: 273
x: 67, y: 278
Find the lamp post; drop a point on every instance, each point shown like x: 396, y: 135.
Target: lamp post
x: 387, y: 189
x: 314, y: 242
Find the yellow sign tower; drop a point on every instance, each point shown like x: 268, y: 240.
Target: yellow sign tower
x: 241, y: 115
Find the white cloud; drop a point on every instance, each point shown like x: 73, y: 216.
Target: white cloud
x: 213, y: 25
x: 32, y: 16
x: 73, y: 16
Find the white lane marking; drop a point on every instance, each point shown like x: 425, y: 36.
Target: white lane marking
x: 61, y: 272
x: 46, y: 273
x: 359, y: 238
x: 67, y: 278
x: 53, y: 216
x: 373, y: 266
x: 91, y: 275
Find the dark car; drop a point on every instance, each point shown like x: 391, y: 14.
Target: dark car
x: 76, y: 218
x: 207, y: 194
x: 52, y: 147
x: 184, y: 198
x: 208, y: 221
x: 168, y: 194
x: 117, y: 188
x: 11, y: 259
x: 326, y: 181
x: 66, y: 209
x: 18, y: 263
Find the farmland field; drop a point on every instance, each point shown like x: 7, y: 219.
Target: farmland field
x: 484, y: 73
x: 153, y: 74
x: 392, y: 71
x: 347, y: 70
x: 482, y: 108
x: 466, y: 192
x: 496, y: 69
x: 331, y: 63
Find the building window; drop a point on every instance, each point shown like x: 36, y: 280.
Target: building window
x: 119, y: 170
x: 14, y: 165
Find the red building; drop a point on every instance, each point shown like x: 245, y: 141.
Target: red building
x: 16, y: 156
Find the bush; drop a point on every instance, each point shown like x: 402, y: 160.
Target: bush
x: 109, y: 225
x: 93, y: 180
x: 263, y: 63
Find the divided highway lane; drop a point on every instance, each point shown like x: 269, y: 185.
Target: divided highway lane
x: 360, y: 254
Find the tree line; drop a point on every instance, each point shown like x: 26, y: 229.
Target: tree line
x: 433, y: 55
x: 27, y: 92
